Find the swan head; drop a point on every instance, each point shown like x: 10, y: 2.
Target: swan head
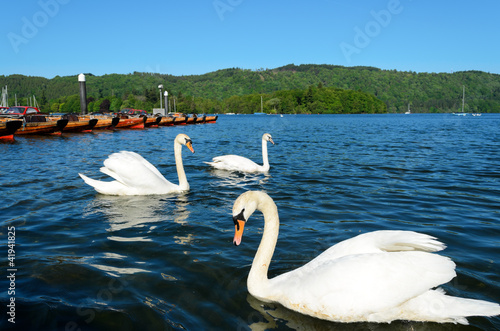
x: 243, y: 208
x: 267, y: 137
x: 184, y: 139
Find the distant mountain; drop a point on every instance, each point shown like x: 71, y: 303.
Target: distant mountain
x: 426, y: 92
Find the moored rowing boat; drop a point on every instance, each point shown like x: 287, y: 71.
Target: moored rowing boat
x: 180, y: 120
x: 41, y: 125
x: 211, y: 119
x: 81, y: 125
x: 76, y: 123
x: 152, y: 121
x: 131, y: 123
x: 8, y: 128
x: 104, y: 122
x: 166, y: 121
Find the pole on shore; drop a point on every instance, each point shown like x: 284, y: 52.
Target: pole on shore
x: 160, y: 87
x: 83, y: 94
x: 166, y: 103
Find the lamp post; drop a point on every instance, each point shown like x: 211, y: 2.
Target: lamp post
x: 83, y: 94
x: 160, y: 87
x: 166, y: 102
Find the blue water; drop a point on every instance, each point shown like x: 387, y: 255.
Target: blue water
x: 86, y: 261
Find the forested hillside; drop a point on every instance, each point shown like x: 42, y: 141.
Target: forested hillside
x: 288, y: 89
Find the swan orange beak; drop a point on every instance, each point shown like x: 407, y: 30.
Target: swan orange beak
x: 189, y: 145
x: 238, y: 232
x: 271, y: 140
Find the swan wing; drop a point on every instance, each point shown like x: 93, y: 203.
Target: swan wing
x: 136, y: 173
x: 234, y: 163
x: 354, y: 287
x: 381, y: 241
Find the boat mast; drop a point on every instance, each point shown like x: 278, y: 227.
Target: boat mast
x: 463, y: 98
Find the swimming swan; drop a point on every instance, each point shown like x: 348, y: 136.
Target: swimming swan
x: 134, y: 175
x: 378, y: 276
x: 240, y: 163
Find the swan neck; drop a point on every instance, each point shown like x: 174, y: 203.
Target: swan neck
x: 183, y: 183
x: 265, y: 158
x: 258, y: 283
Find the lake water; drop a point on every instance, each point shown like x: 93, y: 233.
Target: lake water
x: 86, y: 261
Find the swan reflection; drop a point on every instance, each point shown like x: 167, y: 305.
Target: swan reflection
x: 124, y: 212
x: 268, y: 316
x: 142, y: 215
x: 238, y: 179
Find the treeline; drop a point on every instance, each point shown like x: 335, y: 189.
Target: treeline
x: 425, y: 92
x: 315, y: 99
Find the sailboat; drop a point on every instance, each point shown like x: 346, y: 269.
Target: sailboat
x: 261, y: 108
x: 408, y: 111
x: 463, y: 104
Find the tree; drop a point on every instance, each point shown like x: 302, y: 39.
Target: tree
x: 274, y: 102
x: 54, y: 107
x: 115, y: 104
x: 105, y: 105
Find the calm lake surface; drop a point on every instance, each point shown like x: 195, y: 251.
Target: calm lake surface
x: 86, y: 261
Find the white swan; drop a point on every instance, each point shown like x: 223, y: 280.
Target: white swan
x: 134, y: 175
x: 240, y: 163
x: 379, y: 276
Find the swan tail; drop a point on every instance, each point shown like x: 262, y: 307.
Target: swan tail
x: 395, y: 241
x: 436, y: 306
x: 111, y: 188
x: 219, y: 164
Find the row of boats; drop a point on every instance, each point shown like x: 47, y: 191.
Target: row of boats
x: 36, y: 124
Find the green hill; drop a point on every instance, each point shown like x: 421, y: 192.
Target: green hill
x: 291, y: 88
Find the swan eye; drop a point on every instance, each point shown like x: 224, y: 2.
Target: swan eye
x: 239, y: 217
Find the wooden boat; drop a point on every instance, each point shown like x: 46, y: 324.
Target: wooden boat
x: 104, y: 122
x: 166, y: 121
x: 8, y: 128
x: 200, y: 119
x: 40, y: 124
x: 131, y: 123
x: 211, y: 118
x: 152, y: 121
x: 78, y: 124
x: 81, y: 126
x: 179, y: 118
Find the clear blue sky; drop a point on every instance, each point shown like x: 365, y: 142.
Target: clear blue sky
x: 66, y: 37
